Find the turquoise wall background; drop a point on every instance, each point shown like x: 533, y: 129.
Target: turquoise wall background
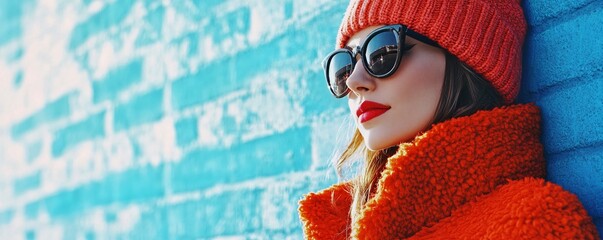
x: 209, y: 119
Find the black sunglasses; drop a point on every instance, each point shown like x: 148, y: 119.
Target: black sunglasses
x: 381, y: 54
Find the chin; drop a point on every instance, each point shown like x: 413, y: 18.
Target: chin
x: 375, y: 146
x: 380, y: 143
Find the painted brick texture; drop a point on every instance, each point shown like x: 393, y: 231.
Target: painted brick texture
x: 150, y: 119
x: 563, y: 75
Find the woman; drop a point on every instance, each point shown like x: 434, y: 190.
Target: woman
x: 431, y: 85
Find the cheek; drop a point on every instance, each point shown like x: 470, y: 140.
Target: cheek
x: 427, y: 74
x: 420, y: 89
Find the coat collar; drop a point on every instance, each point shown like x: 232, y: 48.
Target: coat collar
x: 449, y: 165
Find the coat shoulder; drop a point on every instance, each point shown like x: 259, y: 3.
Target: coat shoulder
x: 530, y: 208
x: 325, y: 214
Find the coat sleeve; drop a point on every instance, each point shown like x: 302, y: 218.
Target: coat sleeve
x: 525, y: 209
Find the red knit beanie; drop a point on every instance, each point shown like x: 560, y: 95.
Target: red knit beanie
x: 487, y: 35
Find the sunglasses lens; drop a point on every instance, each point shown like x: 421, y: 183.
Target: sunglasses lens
x: 382, y: 53
x: 339, y: 69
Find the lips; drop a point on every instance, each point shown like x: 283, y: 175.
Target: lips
x: 369, y: 110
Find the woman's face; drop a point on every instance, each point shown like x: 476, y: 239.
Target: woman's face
x: 412, y: 94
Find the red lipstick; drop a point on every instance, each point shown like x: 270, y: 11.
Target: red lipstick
x: 369, y: 110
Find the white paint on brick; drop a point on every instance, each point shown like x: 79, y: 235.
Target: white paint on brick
x: 154, y: 69
x: 176, y: 24
x: 49, y: 73
x: 265, y: 19
x: 331, y: 132
x: 157, y: 142
x: 13, y: 154
x: 48, y: 31
x: 270, y: 105
x: 95, y: 220
x: 82, y: 163
x: 119, y: 153
x: 12, y: 231
x: 277, y: 208
x: 54, y: 176
x: 209, y: 124
x: 209, y: 50
x: 95, y: 6
x: 7, y: 98
x: 172, y: 62
x: 50, y: 231
x: 127, y: 218
x: 102, y: 60
x: 81, y: 101
x: 12, y: 166
x: 174, y: 199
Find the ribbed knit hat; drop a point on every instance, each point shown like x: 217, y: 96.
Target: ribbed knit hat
x: 487, y: 35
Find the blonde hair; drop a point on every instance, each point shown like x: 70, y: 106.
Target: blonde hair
x: 463, y: 93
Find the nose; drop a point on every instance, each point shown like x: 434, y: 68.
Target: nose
x: 360, y: 82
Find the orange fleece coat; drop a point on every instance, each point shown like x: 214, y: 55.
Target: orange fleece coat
x: 474, y: 177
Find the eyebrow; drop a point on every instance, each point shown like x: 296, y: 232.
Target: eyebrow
x: 348, y: 48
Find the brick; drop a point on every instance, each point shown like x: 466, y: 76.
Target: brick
x: 32, y: 209
x: 6, y: 216
x: 15, y: 56
x: 319, y: 99
x: 152, y: 30
x: 30, y: 235
x: 279, y: 204
x: 33, y: 150
x: 288, y: 9
x: 599, y: 222
x: 228, y: 213
x: 55, y: 110
x: 331, y: 133
x: 191, y: 39
x: 140, y: 110
x: 558, y: 55
x: 228, y: 25
x: 64, y: 203
x: 10, y: 16
x: 26, y: 183
x: 309, y: 45
x: 18, y: 79
x: 571, y: 117
x: 276, y: 154
x: 186, y: 131
x: 70, y: 136
x: 139, y: 184
x: 185, y: 90
x: 539, y: 11
x: 234, y: 72
x: 137, y: 149
x: 155, y: 18
x: 152, y: 224
x: 205, y: 6
x: 222, y: 76
x: 89, y: 235
x: 133, y: 185
x: 109, y: 16
x: 580, y: 171
x: 116, y: 81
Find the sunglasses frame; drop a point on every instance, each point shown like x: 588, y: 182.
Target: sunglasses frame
x: 400, y: 30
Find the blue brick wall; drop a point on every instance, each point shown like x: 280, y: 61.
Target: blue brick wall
x: 151, y: 119
x: 564, y: 76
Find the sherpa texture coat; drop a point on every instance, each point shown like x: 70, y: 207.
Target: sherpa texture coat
x: 474, y: 177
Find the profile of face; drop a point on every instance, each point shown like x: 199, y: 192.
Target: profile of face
x: 411, y: 94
